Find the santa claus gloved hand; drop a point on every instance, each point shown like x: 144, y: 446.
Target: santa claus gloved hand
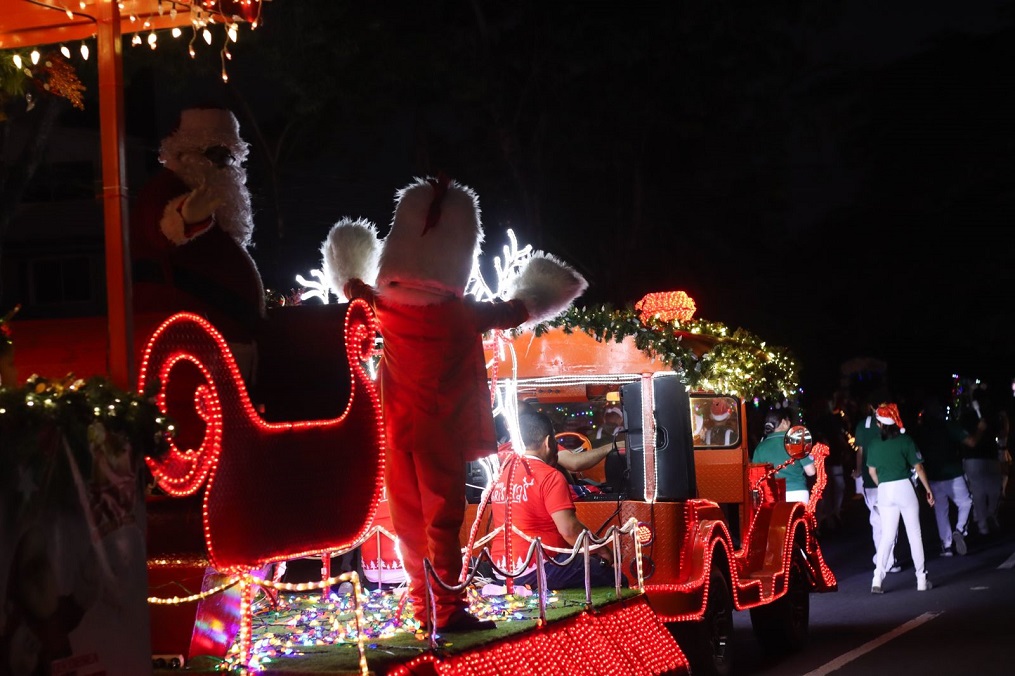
x: 199, y: 206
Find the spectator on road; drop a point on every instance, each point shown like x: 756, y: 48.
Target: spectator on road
x: 891, y: 459
x: 980, y: 462
x: 941, y: 442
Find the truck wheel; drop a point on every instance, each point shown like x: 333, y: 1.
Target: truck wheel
x: 782, y: 626
x: 708, y: 643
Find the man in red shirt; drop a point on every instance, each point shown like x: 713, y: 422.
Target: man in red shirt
x: 533, y: 495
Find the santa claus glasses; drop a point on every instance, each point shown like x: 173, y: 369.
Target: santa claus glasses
x: 220, y: 156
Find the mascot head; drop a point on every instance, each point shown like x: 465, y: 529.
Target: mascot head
x: 432, y: 250
x: 434, y: 240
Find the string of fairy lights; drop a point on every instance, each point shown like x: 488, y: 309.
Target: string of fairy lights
x: 205, y: 17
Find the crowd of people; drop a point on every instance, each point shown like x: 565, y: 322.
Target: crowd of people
x: 953, y: 454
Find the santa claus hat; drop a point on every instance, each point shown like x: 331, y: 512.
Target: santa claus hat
x: 888, y: 414
x: 435, y: 237
x: 202, y: 128
x: 720, y: 410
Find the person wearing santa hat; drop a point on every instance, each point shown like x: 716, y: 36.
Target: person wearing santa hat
x: 191, y: 228
x: 723, y: 428
x: 891, y: 461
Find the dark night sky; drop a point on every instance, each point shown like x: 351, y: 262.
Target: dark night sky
x: 840, y: 185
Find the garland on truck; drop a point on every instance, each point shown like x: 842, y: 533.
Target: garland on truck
x: 738, y: 362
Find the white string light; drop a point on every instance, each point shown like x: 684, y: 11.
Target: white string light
x: 201, y: 20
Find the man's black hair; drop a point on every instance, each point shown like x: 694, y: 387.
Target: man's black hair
x: 534, y: 427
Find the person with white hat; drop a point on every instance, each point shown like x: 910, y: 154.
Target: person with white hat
x: 891, y: 460
x: 191, y: 228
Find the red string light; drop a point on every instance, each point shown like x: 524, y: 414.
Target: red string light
x: 236, y: 436
x: 666, y: 306
x: 626, y: 635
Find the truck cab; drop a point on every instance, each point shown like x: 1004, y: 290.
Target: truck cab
x: 716, y: 535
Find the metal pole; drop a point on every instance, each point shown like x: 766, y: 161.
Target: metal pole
x: 120, y: 356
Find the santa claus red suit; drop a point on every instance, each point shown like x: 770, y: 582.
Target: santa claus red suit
x: 433, y: 382
x: 191, y: 227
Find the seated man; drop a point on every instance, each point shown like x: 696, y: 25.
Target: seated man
x: 534, y: 497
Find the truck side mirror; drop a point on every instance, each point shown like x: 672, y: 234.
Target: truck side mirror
x: 798, y: 442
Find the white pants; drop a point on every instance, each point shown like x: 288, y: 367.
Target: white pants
x: 870, y: 498
x: 803, y: 495
x: 957, y: 492
x: 895, y: 499
x: 984, y: 477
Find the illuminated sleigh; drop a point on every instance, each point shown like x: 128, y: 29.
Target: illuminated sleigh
x: 291, y: 469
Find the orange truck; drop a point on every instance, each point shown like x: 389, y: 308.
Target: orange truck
x: 717, y: 538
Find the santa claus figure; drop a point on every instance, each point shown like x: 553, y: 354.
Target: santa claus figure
x: 721, y: 430
x: 433, y: 380
x: 191, y: 229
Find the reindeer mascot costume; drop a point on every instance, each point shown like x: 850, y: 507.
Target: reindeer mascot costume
x: 433, y: 380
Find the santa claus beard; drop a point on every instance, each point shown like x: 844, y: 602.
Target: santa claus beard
x: 230, y: 184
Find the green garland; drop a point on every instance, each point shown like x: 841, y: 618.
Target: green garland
x: 31, y: 414
x: 739, y: 363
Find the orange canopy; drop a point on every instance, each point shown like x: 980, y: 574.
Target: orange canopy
x: 27, y: 23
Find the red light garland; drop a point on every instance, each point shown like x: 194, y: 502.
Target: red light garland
x: 665, y: 306
x: 241, y: 438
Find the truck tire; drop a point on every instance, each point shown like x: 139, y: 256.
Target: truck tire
x: 708, y: 643
x: 781, y: 627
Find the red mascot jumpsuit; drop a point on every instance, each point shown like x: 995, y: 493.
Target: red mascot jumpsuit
x: 438, y: 414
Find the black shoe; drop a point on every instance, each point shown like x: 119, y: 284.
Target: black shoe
x: 462, y: 620
x: 959, y: 541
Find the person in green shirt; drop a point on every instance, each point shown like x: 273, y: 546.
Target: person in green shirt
x: 890, y: 460
x: 772, y: 450
x: 941, y: 441
x: 867, y: 432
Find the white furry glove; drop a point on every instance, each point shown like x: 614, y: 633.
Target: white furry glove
x: 547, y: 286
x: 199, y: 205
x: 350, y: 251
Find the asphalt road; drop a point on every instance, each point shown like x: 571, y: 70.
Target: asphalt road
x: 964, y: 625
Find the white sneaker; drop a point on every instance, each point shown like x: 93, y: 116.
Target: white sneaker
x: 895, y: 569
x: 923, y: 584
